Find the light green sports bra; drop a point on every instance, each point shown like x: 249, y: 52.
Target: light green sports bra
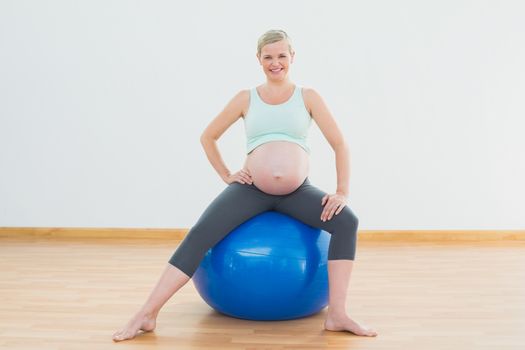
x: 288, y: 121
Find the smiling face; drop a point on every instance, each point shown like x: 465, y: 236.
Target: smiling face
x: 276, y: 59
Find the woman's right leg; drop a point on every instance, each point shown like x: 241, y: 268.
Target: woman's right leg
x: 236, y: 204
x: 171, y: 280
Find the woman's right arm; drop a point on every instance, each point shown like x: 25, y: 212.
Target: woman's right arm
x: 229, y: 115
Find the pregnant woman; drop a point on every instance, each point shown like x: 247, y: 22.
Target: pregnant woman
x: 277, y: 116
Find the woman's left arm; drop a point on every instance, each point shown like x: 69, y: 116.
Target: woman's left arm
x: 333, y: 203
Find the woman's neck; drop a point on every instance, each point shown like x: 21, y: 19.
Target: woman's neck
x: 278, y: 85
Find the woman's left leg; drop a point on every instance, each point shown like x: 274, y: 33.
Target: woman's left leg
x: 304, y: 204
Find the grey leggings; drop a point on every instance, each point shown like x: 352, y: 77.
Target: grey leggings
x: 239, y: 202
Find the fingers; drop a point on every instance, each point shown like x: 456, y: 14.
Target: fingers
x: 332, y: 207
x: 328, y: 213
x: 243, y: 176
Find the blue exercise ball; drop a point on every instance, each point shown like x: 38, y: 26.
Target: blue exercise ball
x: 271, y: 267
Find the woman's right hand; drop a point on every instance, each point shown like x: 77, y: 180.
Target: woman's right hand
x: 242, y: 176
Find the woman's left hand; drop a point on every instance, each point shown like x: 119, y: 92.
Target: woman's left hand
x: 333, y: 204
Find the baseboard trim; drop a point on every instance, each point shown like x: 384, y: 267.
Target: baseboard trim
x: 84, y: 232
x: 179, y: 234
x: 442, y: 235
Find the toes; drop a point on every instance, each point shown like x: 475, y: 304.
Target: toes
x: 117, y: 337
x: 371, y: 333
x: 122, y: 335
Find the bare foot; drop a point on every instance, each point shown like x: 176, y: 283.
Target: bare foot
x: 140, y: 323
x: 344, y: 323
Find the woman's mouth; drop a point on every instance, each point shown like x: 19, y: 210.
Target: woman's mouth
x: 275, y: 71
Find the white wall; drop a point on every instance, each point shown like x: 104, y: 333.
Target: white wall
x: 102, y: 104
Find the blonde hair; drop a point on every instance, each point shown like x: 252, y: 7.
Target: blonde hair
x: 273, y: 36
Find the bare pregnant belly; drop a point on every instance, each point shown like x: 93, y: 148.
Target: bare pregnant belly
x: 278, y: 167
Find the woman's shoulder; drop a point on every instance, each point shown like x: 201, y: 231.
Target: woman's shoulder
x: 310, y: 97
x: 241, y: 96
x: 241, y: 101
x: 309, y: 91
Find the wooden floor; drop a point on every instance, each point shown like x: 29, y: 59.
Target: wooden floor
x: 71, y: 294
